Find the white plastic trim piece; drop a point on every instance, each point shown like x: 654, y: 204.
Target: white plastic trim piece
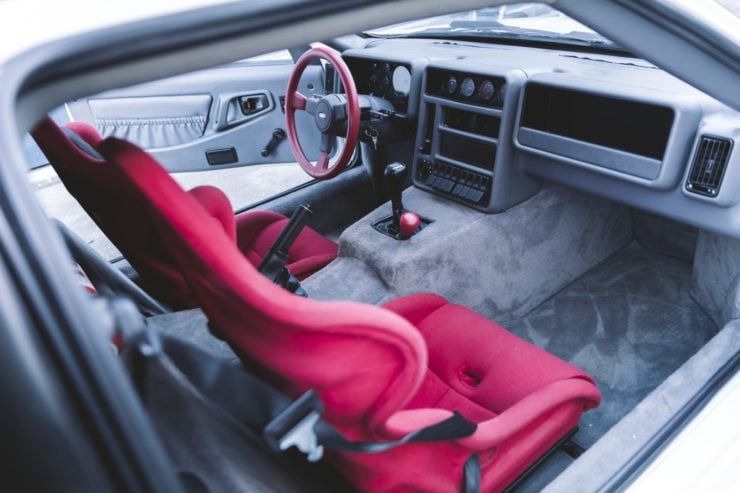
x: 705, y: 455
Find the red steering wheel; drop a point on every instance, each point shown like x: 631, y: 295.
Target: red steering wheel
x: 330, y: 113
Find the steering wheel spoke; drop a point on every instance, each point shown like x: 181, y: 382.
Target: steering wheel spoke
x: 311, y: 104
x: 327, y: 142
x: 300, y: 102
x: 322, y: 164
x: 331, y: 112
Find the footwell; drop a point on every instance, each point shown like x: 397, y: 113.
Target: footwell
x: 629, y: 322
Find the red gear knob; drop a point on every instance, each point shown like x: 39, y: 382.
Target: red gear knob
x: 409, y: 223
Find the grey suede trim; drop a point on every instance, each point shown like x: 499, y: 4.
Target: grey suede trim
x: 629, y: 323
x: 625, y: 439
x: 664, y: 235
x: 716, y: 281
x: 347, y: 279
x: 497, y: 264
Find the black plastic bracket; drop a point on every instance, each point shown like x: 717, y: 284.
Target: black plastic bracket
x: 558, y: 445
x: 572, y: 448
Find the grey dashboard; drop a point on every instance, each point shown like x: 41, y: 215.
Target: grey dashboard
x: 492, y: 121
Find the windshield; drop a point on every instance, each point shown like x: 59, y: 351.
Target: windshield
x: 523, y: 21
x: 733, y: 6
x: 721, y: 16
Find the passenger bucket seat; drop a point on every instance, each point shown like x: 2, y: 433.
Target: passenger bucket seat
x: 381, y: 372
x: 72, y: 152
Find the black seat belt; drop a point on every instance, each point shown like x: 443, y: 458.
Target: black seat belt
x: 284, y: 422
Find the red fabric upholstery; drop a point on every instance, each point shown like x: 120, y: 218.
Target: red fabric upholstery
x: 88, y: 133
x: 97, y: 188
x: 381, y: 371
x: 257, y: 231
x: 218, y: 206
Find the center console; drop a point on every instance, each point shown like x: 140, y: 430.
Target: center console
x: 463, y: 146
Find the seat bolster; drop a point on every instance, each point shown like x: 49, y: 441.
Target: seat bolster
x: 310, y: 243
x: 524, y: 413
x: 71, y: 163
x: 88, y: 133
x: 495, y: 431
x: 249, y: 225
x: 218, y: 206
x: 304, y: 267
x: 258, y: 230
x: 486, y: 363
x: 401, y: 423
x: 416, y: 307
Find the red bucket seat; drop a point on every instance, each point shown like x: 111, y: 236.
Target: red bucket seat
x: 381, y: 372
x: 88, y: 178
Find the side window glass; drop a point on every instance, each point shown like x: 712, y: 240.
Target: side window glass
x: 154, y: 111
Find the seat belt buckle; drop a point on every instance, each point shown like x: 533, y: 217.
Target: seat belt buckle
x: 294, y: 427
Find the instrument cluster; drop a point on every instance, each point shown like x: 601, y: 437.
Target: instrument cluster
x: 384, y: 79
x: 388, y: 79
x: 473, y: 88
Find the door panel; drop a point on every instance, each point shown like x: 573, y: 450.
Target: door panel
x: 153, y: 122
x: 227, y: 113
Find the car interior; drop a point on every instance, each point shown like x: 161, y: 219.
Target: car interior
x: 539, y: 237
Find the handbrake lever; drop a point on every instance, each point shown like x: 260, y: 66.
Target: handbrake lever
x: 273, y: 264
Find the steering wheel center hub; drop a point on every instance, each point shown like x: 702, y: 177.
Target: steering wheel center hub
x: 323, y: 116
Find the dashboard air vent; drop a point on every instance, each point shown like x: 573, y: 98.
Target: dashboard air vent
x: 709, y: 165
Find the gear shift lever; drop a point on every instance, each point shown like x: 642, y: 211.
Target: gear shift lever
x: 400, y: 225
x: 395, y: 174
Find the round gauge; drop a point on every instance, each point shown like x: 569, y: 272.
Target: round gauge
x: 385, y: 83
x: 500, y: 94
x: 450, y: 85
x: 402, y: 81
x: 486, y: 90
x: 468, y: 87
x: 372, y: 82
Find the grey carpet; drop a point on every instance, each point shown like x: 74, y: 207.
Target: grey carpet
x: 495, y: 264
x: 717, y: 276
x: 629, y: 322
x: 664, y: 235
x: 616, y: 449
